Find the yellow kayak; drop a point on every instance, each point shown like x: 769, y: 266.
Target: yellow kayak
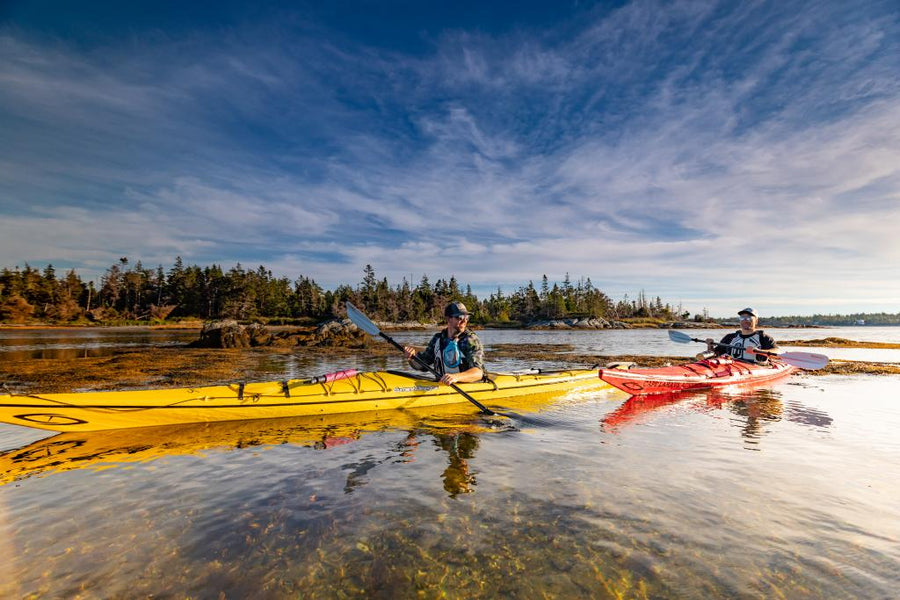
x: 381, y: 390
x: 115, y: 447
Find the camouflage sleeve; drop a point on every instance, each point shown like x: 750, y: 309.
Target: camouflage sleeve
x: 427, y: 355
x: 474, y: 354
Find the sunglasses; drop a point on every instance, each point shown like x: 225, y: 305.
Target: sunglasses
x: 745, y: 318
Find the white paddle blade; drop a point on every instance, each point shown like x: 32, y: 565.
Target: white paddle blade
x: 681, y: 338
x: 804, y: 360
x: 362, y: 321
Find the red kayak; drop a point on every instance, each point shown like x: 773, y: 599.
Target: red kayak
x: 711, y: 372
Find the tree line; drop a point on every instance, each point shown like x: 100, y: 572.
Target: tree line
x: 134, y: 293
x: 881, y: 318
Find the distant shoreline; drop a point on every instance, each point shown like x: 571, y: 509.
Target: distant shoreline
x: 197, y: 325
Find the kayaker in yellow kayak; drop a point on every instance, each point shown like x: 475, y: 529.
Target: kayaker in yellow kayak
x: 747, y: 337
x: 455, y: 353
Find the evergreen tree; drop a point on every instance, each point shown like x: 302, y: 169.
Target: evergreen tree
x: 210, y: 293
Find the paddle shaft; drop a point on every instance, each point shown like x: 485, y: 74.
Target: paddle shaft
x: 481, y: 406
x: 751, y: 350
x: 803, y: 360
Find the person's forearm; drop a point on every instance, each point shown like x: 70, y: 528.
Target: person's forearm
x: 470, y: 375
x: 467, y: 376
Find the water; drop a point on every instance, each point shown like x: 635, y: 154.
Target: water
x: 73, y: 343
x: 63, y: 343
x: 788, y: 490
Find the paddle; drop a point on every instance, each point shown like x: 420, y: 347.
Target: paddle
x: 803, y: 360
x: 363, y: 322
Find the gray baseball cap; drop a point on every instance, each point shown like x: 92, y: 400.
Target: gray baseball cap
x: 456, y: 309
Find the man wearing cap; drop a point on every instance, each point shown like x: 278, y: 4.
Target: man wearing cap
x: 747, y: 337
x: 455, y: 353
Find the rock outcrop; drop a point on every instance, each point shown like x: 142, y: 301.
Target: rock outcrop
x: 231, y: 334
x: 336, y: 332
x: 576, y: 323
x: 223, y: 334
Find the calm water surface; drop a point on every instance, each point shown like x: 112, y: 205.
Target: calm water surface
x: 77, y: 342
x: 785, y: 491
x: 84, y: 341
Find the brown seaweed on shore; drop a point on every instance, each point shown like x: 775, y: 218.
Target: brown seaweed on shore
x: 836, y: 342
x: 154, y: 367
x: 858, y: 367
x: 160, y: 367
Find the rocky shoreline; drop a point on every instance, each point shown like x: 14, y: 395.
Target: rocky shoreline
x: 577, y: 323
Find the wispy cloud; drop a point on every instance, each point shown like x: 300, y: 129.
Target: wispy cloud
x: 710, y: 153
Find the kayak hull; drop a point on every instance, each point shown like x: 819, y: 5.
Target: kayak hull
x: 76, y: 450
x: 703, y: 374
x: 382, y: 390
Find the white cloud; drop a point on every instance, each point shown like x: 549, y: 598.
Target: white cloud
x: 706, y: 154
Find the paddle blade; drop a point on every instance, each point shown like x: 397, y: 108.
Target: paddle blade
x: 681, y: 338
x: 804, y: 360
x: 362, y: 321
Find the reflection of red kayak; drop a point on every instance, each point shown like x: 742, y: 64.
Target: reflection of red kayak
x: 707, y: 373
x: 636, y: 406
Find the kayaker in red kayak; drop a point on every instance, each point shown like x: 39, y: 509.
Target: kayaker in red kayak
x: 455, y: 353
x: 747, y: 337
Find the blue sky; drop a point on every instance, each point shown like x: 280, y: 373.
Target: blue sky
x: 716, y: 154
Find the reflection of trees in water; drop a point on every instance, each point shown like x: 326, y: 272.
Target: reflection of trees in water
x: 460, y: 447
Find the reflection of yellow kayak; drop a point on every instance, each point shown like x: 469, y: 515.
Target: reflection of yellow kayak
x: 106, y: 449
x: 382, y: 390
x: 101, y: 449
